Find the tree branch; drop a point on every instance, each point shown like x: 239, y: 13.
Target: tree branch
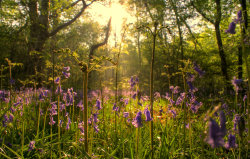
x: 60, y: 27
x: 72, y: 4
x: 202, y: 14
x: 96, y: 46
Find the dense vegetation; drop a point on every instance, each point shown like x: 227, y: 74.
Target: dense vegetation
x: 174, y: 82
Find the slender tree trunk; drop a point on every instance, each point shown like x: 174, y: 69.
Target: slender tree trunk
x: 221, y: 53
x: 220, y: 46
x: 245, y: 51
x: 152, y: 91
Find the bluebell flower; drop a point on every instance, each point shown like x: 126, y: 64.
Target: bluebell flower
x: 11, y: 117
x: 137, y: 122
x: 95, y: 117
x: 217, y: 133
x: 59, y: 89
x: 68, y: 123
x: 134, y: 96
x: 180, y: 99
x: 31, y: 145
x: 239, y: 17
x: 66, y: 68
x: 66, y: 74
x: 236, y: 83
x: 12, y: 81
x: 173, y: 112
x: 147, y: 114
x: 96, y: 128
x: 52, y: 122
x: 57, y: 80
x: 98, y: 104
x: 125, y: 114
x: 244, y: 98
x: 231, y: 142
x: 198, y: 70
x: 231, y: 28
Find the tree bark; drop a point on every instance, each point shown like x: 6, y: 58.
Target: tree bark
x: 220, y: 45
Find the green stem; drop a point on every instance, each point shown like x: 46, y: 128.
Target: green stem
x: 44, y: 123
x: 152, y: 91
x: 58, y: 125
x: 38, y: 122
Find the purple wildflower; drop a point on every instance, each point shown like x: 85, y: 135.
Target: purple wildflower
x: 190, y: 77
x: 216, y: 133
x: 61, y: 122
x: 132, y: 82
x: 236, y: 121
x: 12, y: 81
x: 95, y: 117
x: 125, y: 114
x: 198, y: 70
x: 68, y: 123
x: 115, y: 108
x: 231, y: 142
x: 57, y: 80
x: 173, y: 112
x: 134, y: 96
x: 231, y: 28
x: 31, y: 145
x: 235, y: 83
x: 137, y: 122
x: 190, y: 85
x: 96, y: 128
x: 180, y: 99
x: 5, y: 120
x: 66, y: 68
x: 136, y: 79
x: 80, y: 126
x: 11, y: 117
x: 244, y: 98
x: 52, y: 122
x: 98, y: 104
x: 66, y: 74
x: 147, y: 114
x: 215, y: 138
x: 239, y: 17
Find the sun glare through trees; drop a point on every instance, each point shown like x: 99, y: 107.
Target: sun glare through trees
x: 134, y: 79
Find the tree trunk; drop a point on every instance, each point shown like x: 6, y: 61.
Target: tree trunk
x: 220, y: 46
